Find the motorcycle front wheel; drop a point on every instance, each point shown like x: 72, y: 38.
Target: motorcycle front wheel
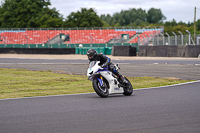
x: 102, y: 91
x: 128, y: 90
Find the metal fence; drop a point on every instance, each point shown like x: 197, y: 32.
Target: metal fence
x: 154, y: 40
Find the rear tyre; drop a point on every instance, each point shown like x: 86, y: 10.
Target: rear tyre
x: 101, y: 91
x: 128, y: 90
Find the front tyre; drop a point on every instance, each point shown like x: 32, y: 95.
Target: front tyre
x: 100, y: 90
x: 128, y: 89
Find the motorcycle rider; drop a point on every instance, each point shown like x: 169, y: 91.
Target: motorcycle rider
x: 104, y: 62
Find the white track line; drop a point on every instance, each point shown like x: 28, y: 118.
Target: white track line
x: 94, y: 92
x: 169, y: 85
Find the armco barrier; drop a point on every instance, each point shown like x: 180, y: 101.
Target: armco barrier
x: 38, y: 50
x: 123, y: 50
x: 170, y: 51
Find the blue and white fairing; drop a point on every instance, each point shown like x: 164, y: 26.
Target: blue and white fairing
x: 95, y: 69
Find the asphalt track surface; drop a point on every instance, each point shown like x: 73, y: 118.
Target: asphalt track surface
x: 183, y: 69
x: 172, y: 109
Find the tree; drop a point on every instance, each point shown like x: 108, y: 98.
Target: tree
x: 155, y: 16
x: 107, y: 18
x: 126, y: 17
x: 28, y: 14
x: 83, y: 18
x: 198, y: 24
x: 50, y: 18
x: 105, y: 24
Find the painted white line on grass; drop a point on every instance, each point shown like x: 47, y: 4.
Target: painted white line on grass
x: 94, y: 92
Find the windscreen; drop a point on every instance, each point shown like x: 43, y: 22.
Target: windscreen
x: 92, y: 63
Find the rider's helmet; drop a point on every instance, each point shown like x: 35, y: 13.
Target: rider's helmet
x: 91, y: 53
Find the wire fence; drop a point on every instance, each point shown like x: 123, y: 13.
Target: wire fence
x: 160, y: 39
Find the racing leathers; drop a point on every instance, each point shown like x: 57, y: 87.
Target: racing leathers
x: 105, y: 61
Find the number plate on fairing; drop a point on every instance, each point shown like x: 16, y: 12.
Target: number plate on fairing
x: 116, y: 88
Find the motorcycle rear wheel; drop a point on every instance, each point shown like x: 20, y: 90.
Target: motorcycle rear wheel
x: 101, y: 91
x: 129, y: 89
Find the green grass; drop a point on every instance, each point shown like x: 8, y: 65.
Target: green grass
x: 15, y: 83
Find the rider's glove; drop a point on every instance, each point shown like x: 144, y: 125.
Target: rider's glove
x: 104, y: 65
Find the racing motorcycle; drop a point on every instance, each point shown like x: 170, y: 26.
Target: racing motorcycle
x: 105, y: 82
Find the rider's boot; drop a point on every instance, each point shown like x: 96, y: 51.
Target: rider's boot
x: 122, y: 79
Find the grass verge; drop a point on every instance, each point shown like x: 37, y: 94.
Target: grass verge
x: 15, y: 83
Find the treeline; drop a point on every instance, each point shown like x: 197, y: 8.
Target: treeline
x: 134, y: 17
x: 153, y: 17
x: 37, y: 14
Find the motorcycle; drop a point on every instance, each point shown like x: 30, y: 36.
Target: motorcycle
x: 105, y: 82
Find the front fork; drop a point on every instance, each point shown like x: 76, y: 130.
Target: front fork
x: 101, y: 81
